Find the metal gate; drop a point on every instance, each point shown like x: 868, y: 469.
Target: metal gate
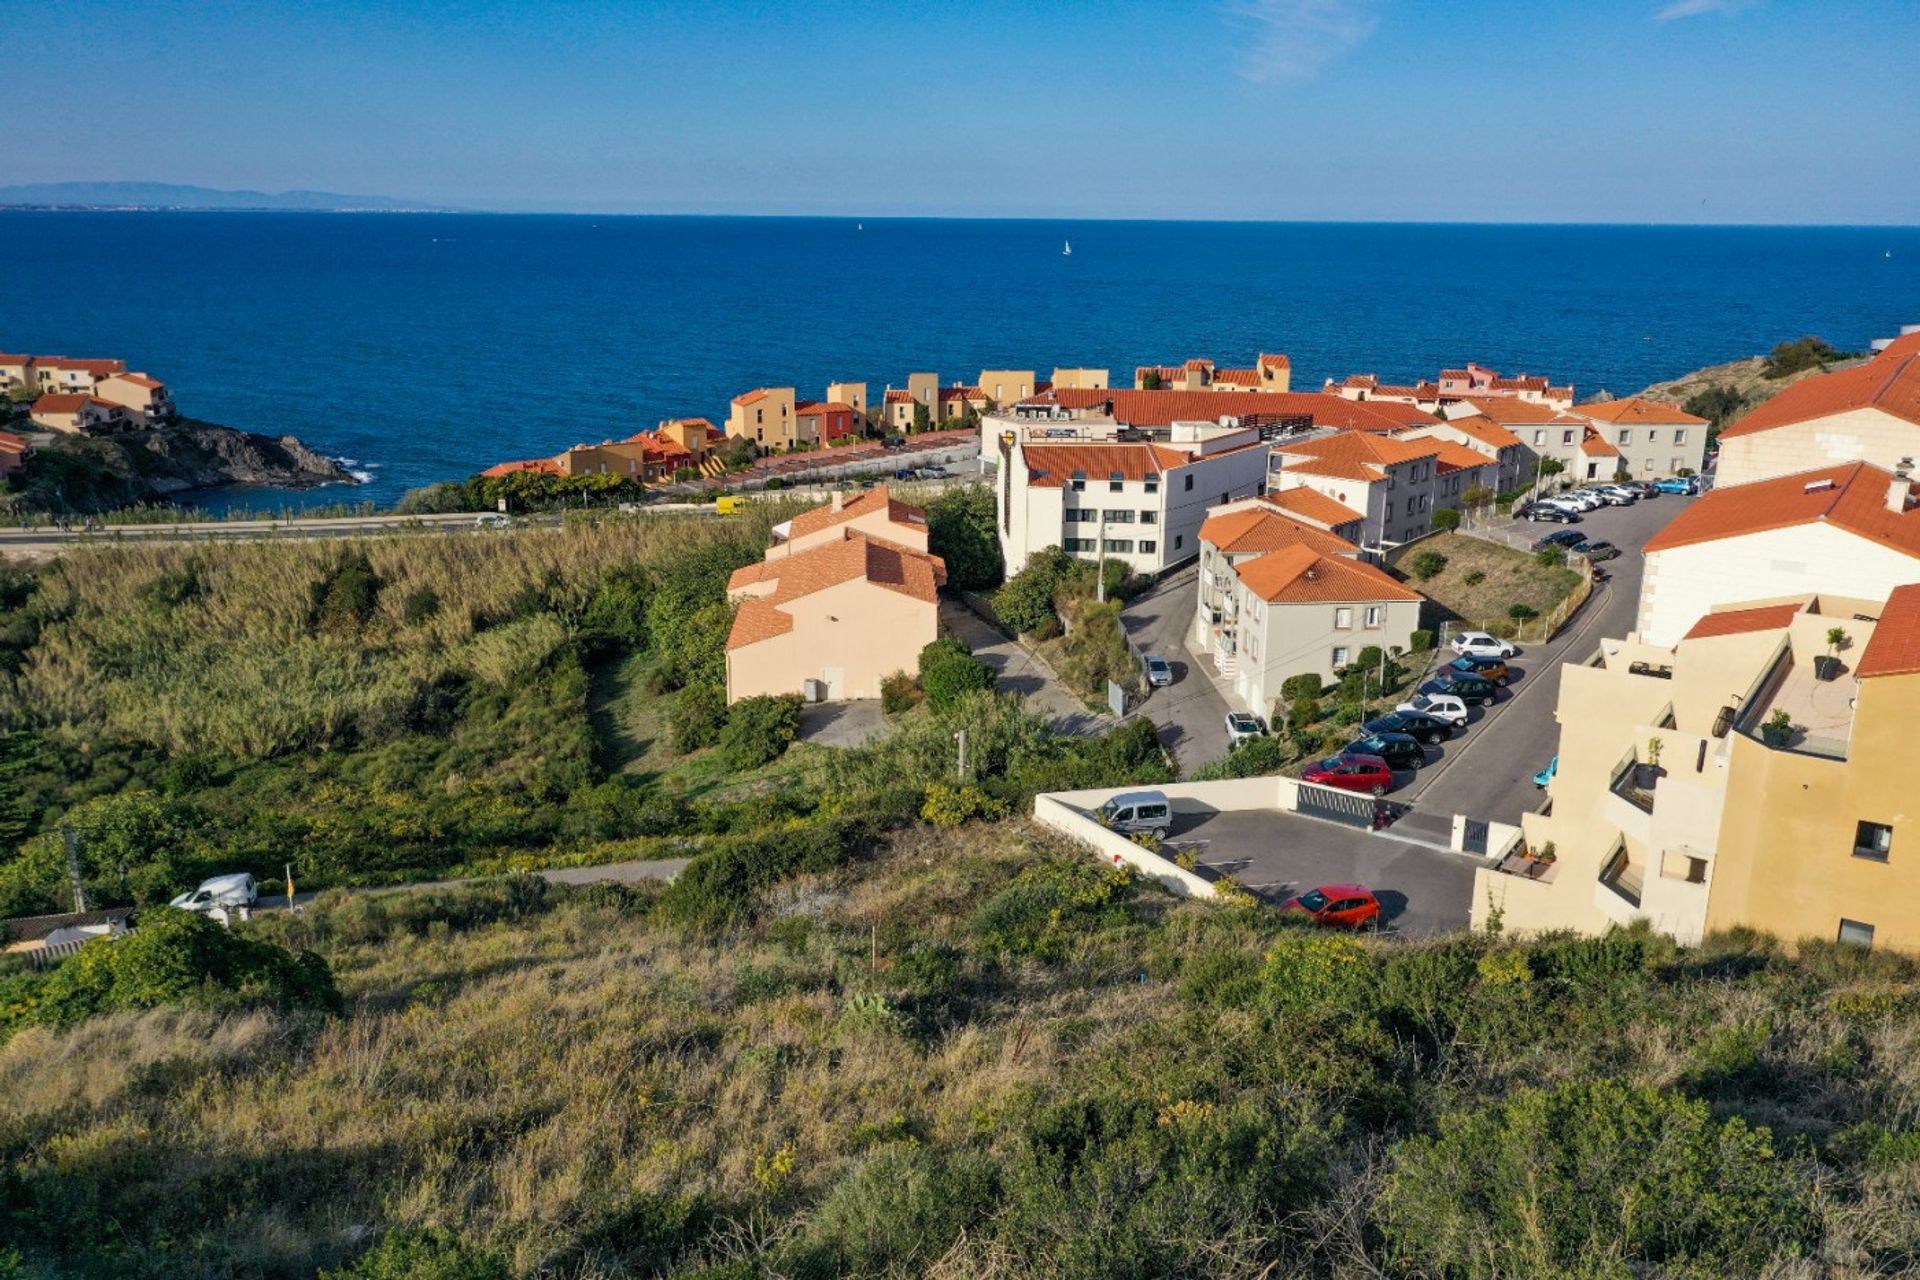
x: 1475, y: 837
x: 1331, y: 803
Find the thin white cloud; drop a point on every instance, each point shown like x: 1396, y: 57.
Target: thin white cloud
x: 1695, y: 8
x: 1293, y: 39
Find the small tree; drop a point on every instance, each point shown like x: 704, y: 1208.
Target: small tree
x: 1477, y: 495
x: 922, y: 419
x: 1446, y: 519
x: 949, y: 671
x: 760, y: 729
x: 1151, y: 380
x: 1427, y: 564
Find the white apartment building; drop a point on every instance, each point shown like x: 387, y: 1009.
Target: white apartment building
x: 1394, y: 484
x: 1850, y: 531
x: 1280, y: 598
x: 1135, y: 501
x: 1867, y: 413
x: 1650, y: 438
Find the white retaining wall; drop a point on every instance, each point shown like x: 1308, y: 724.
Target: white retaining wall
x: 1069, y: 812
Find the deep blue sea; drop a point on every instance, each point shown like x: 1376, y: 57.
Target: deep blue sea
x: 424, y: 347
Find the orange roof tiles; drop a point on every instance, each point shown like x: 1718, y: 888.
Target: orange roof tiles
x: 817, y: 408
x: 1237, y: 377
x: 1311, y: 504
x: 98, y: 368
x: 11, y: 443
x: 1506, y: 409
x: 545, y: 466
x: 1907, y: 344
x: 1486, y: 431
x: 69, y: 402
x: 1457, y: 457
x: 1161, y: 408
x: 1635, y: 410
x: 751, y: 397
x: 1596, y: 445
x: 1894, y: 649
x: 1050, y: 466
x: 1301, y: 575
x: 897, y: 396
x: 1735, y: 622
x: 1275, y: 360
x: 1257, y: 529
x: 1889, y: 383
x: 1363, y: 446
x: 141, y: 380
x: 1852, y: 496
x: 881, y: 564
x: 873, y: 500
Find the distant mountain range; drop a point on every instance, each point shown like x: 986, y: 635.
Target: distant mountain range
x: 167, y: 195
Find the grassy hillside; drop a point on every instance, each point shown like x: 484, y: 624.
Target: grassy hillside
x: 971, y: 1053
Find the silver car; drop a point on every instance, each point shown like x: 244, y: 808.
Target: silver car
x: 1159, y: 671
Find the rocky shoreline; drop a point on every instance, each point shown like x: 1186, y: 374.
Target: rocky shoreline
x: 79, y: 475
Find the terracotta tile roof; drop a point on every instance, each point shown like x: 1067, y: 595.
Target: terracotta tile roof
x: 1596, y: 445
x: 1301, y: 575
x: 1199, y: 364
x: 545, y: 466
x: 1166, y: 372
x: 1363, y: 446
x: 98, y: 368
x: 1507, y: 410
x: 816, y: 408
x: 1635, y: 410
x: 961, y: 393
x: 1275, y: 360
x: 1457, y: 457
x: 1237, y: 377
x: 1907, y: 344
x: 1894, y: 649
x: 1257, y: 529
x: 1852, y: 496
x: 1161, y: 408
x: 897, y: 396
x: 69, y: 402
x: 11, y: 443
x: 1050, y: 466
x: 1385, y: 390
x: 873, y: 500
x: 1519, y: 382
x: 751, y: 397
x: 1359, y: 381
x: 1454, y: 375
x: 10, y: 359
x: 1311, y: 504
x: 142, y: 380
x: 1889, y: 383
x: 1486, y: 431
x: 882, y: 564
x: 1735, y: 622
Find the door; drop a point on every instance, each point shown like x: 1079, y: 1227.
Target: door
x: 835, y: 678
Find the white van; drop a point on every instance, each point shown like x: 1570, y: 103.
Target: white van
x: 1138, y: 811
x: 237, y: 890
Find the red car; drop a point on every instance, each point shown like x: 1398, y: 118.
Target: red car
x: 1357, y: 772
x: 1342, y: 906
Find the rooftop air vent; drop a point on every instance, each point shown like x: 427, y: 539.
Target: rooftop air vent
x: 1818, y: 486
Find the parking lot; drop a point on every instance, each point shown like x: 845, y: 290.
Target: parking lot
x: 1277, y: 855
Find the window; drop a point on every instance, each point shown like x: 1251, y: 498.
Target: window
x: 1413, y: 505
x: 1339, y: 656
x: 1149, y: 517
x: 1226, y: 497
x: 1120, y: 544
x: 1189, y: 480
x: 1114, y: 479
x: 1855, y: 933
x: 1079, y: 544
x: 1148, y: 547
x: 1374, y: 612
x: 1679, y: 435
x: 1540, y: 437
x: 1872, y: 840
x: 1566, y: 437
x: 1343, y: 619
x: 1153, y: 484
x: 1626, y: 436
x: 1078, y: 483
x: 1653, y: 435
x: 1179, y: 540
x: 1119, y: 517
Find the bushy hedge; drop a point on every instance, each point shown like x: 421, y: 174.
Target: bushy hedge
x: 760, y: 729
x: 949, y: 671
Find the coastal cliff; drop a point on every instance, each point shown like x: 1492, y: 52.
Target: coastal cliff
x: 82, y: 474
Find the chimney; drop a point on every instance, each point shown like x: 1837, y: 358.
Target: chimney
x: 839, y: 500
x: 1901, y: 488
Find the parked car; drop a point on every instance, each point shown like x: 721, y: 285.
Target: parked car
x: 1427, y: 728
x: 1242, y: 725
x: 235, y: 890
x: 1482, y: 665
x: 1545, y: 776
x: 1135, y: 811
x: 1399, y: 750
x: 1597, y: 550
x: 1368, y: 774
x: 930, y: 473
x: 1551, y: 512
x: 1576, y: 499
x: 1159, y: 671
x: 1482, y: 642
x: 1339, y: 906
x: 894, y: 442
x: 493, y: 520
x: 1678, y: 484
x: 1441, y: 706
x: 1618, y: 495
x: 1472, y: 690
x: 1564, y: 538
x: 1645, y: 488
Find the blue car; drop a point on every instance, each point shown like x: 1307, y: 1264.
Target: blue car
x: 1545, y: 776
x: 1678, y: 484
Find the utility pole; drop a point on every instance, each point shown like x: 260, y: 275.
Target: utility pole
x: 961, y: 738
x: 73, y: 866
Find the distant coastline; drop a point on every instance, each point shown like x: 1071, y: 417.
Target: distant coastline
x: 165, y: 197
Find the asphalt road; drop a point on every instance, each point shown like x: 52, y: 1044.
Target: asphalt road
x: 1191, y: 713
x: 621, y: 872
x: 1277, y: 855
x: 1487, y: 773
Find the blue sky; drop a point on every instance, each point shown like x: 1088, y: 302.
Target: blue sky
x: 1789, y: 111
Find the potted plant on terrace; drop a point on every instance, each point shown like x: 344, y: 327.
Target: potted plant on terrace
x: 1778, y: 730
x: 1827, y: 666
x: 1647, y: 772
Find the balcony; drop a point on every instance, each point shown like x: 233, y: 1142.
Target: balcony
x: 1617, y: 892
x: 1628, y: 806
x: 1792, y: 709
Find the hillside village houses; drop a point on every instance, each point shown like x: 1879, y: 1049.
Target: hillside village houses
x: 144, y: 401
x: 1868, y: 412
x: 1280, y: 598
x: 682, y: 444
x: 1756, y: 771
x: 80, y: 413
x: 1392, y: 483
x: 774, y: 418
x: 846, y: 596
x: 1452, y: 386
x: 1269, y: 373
x: 924, y: 396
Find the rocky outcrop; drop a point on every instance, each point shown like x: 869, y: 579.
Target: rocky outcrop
x: 80, y: 474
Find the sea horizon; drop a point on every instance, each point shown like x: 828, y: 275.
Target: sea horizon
x: 427, y: 346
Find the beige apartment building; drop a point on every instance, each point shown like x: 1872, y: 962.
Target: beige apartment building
x: 944, y: 406
x: 765, y: 416
x: 1394, y: 485
x: 146, y: 398
x: 1756, y: 773
x: 836, y: 607
x: 1650, y: 438
x: 1270, y: 372
x: 1003, y: 387
x: 1280, y: 598
x: 1867, y: 413
x: 80, y: 413
x: 1080, y: 379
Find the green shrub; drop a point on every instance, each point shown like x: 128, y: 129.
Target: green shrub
x: 759, y: 730
x: 899, y: 694
x: 1521, y: 612
x: 1026, y: 602
x: 421, y: 604
x: 1809, y: 352
x: 948, y: 806
x: 1473, y: 577
x: 431, y: 1254
x: 1052, y: 901
x: 960, y: 530
x: 900, y: 1208
x: 949, y: 671
x: 1550, y: 557
x: 1548, y: 1180
x: 1427, y: 564
x: 1253, y: 758
x: 698, y: 715
x: 346, y: 593
x: 1305, y: 685
x: 1446, y: 520
x: 1420, y: 641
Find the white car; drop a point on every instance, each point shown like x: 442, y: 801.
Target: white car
x: 1242, y: 725
x: 1478, y: 644
x: 237, y: 890
x: 1617, y: 496
x: 1441, y: 706
x: 493, y: 520
x: 1580, y: 499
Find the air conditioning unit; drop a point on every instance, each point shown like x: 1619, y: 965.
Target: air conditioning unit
x: 813, y: 690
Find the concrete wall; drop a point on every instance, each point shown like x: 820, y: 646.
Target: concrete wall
x: 1069, y: 813
x: 1859, y: 435
x: 1682, y: 584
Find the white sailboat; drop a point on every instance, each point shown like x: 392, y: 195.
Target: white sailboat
x: 1068, y: 250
